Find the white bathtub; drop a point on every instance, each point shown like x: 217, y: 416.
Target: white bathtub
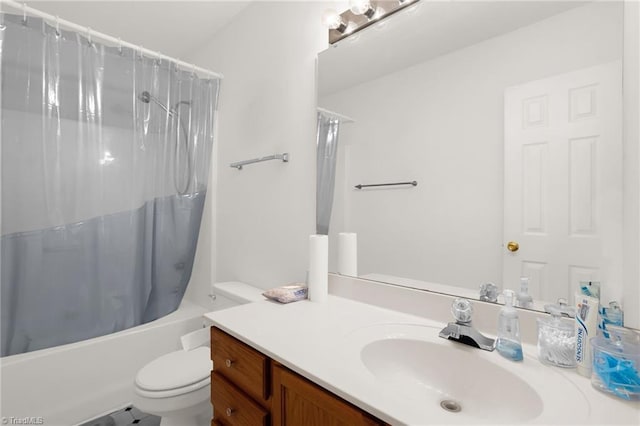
x: 73, y: 383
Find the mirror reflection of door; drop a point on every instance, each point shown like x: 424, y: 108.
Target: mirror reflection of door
x: 563, y: 180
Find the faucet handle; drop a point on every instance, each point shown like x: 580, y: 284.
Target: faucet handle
x: 489, y: 292
x: 461, y: 310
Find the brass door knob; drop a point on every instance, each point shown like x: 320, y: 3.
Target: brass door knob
x: 513, y: 246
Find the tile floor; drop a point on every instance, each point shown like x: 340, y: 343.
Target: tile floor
x: 127, y: 416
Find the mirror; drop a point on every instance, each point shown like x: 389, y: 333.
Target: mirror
x: 509, y: 117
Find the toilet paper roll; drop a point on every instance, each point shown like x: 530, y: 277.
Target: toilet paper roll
x: 318, y: 268
x: 348, y: 254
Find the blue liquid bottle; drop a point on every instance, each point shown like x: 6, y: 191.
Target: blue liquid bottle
x: 509, y: 344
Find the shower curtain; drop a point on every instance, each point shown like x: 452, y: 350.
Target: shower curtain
x: 105, y: 160
x: 327, y: 141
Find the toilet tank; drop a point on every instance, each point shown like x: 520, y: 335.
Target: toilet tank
x: 232, y: 293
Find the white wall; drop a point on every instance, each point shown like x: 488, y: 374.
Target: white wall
x: 264, y: 213
x: 444, y: 128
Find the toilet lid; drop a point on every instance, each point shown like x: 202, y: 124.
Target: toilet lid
x: 175, y: 370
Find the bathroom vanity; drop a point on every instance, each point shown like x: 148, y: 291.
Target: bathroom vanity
x: 368, y: 363
x: 250, y: 388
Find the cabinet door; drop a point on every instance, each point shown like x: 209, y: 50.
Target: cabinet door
x: 297, y: 401
x: 231, y: 406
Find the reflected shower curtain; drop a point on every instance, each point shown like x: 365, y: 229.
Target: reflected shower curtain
x: 105, y: 160
x: 327, y: 140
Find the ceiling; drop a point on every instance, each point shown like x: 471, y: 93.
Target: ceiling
x: 174, y: 28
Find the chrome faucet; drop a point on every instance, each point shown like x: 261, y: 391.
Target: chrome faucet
x: 462, y: 331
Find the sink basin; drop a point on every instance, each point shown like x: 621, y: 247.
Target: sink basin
x: 437, y: 381
x: 454, y: 377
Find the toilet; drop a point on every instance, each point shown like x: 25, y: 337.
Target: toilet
x: 177, y: 386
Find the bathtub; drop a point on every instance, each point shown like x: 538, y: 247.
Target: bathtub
x: 77, y: 382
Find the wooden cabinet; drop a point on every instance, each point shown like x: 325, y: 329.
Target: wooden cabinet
x: 297, y: 401
x: 250, y: 389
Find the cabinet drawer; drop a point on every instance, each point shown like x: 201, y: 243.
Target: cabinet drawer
x: 232, y: 407
x: 241, y: 364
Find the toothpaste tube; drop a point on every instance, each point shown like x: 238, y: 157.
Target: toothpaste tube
x: 586, y: 325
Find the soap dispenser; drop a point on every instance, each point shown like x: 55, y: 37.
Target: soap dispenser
x: 524, y: 298
x: 508, y: 343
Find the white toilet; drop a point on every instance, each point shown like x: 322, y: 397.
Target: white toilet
x: 177, y: 386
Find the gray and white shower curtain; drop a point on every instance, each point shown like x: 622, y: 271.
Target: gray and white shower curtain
x: 105, y: 160
x: 327, y: 154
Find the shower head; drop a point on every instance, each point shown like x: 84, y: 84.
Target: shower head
x: 144, y: 97
x: 173, y: 113
x: 147, y: 97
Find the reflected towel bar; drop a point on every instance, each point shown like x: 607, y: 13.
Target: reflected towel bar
x: 413, y: 183
x: 284, y: 157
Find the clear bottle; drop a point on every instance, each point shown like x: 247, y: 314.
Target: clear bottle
x: 524, y: 298
x: 508, y: 343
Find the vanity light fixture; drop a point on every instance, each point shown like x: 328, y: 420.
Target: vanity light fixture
x: 361, y: 14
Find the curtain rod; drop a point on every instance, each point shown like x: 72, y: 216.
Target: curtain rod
x: 104, y: 37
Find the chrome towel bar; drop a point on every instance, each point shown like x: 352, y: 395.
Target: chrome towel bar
x: 413, y: 183
x: 284, y: 157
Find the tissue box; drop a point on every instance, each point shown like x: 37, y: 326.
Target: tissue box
x: 287, y: 294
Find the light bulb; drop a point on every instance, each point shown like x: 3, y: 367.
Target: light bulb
x: 330, y: 19
x: 359, y: 7
x: 362, y: 7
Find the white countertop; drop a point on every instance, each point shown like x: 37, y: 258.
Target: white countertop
x: 317, y: 341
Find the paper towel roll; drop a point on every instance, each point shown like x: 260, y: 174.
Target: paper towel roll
x: 348, y: 254
x: 318, y: 267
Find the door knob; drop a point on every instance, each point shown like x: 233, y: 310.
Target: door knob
x: 513, y: 246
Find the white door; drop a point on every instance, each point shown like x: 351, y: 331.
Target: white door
x: 563, y: 182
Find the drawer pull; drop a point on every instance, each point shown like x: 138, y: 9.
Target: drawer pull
x: 228, y: 363
x: 230, y: 412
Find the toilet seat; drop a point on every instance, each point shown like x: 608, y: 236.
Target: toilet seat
x: 173, y: 392
x: 175, y: 373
